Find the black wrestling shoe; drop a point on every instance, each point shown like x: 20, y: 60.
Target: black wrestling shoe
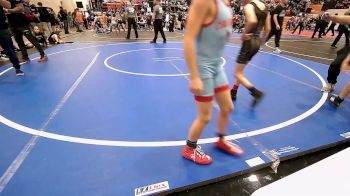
x: 258, y: 95
x: 233, y: 95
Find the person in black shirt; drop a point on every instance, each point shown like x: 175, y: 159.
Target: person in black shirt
x: 301, y: 24
x: 331, y: 27
x: 53, y: 19
x: 343, y: 65
x: 171, y: 23
x: 5, y: 38
x: 20, y: 26
x: 62, y: 15
x: 257, y: 20
x: 44, y: 17
x: 320, y: 27
x: 55, y: 38
x: 40, y: 36
x: 277, y: 16
x: 342, y: 29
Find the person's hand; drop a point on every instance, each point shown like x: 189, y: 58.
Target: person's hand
x: 246, y: 37
x: 196, y: 86
x: 278, y: 27
x: 6, y: 11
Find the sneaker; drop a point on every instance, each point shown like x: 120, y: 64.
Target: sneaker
x: 196, y: 155
x: 335, y: 101
x: 277, y: 51
x: 164, y: 41
x: 4, y: 57
x: 258, y: 95
x: 152, y: 42
x: 24, y: 60
x: 19, y: 72
x: 43, y: 59
x: 229, y: 147
x: 328, y: 88
x: 333, y: 47
x: 233, y: 95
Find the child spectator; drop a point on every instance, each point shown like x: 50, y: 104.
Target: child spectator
x: 55, y: 38
x: 39, y: 35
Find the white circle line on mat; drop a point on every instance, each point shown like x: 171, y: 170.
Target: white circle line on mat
x: 115, y: 143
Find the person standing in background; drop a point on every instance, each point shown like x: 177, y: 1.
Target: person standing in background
x: 44, y: 18
x: 62, y: 15
x: 277, y: 16
x: 20, y: 27
x: 300, y: 24
x: 320, y: 27
x: 131, y: 16
x: 331, y: 26
x: 157, y: 18
x: 78, y: 20
x: 342, y: 29
x: 5, y: 38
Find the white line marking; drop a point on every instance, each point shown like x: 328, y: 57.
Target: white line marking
x: 313, y: 50
x: 144, y: 74
x: 6, y: 70
x: 316, y: 57
x: 166, y: 60
x: 285, y: 76
x: 141, y: 74
x: 169, y: 143
x: 12, y: 169
x: 168, y: 57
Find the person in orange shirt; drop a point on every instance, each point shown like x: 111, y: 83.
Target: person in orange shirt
x: 79, y: 20
x: 104, y: 21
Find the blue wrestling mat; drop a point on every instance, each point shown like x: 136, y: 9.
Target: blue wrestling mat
x: 112, y: 119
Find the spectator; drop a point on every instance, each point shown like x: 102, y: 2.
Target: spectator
x: 5, y: 38
x: 39, y: 35
x: 44, y: 17
x: 63, y: 16
x: 20, y: 27
x: 78, y: 20
x: 53, y: 19
x: 55, y: 38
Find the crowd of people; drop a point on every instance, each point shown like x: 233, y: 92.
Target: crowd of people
x: 173, y: 17
x: 344, y: 4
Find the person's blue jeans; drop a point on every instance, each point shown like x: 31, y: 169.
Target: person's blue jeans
x: 7, y: 44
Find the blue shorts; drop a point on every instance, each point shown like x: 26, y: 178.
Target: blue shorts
x: 214, y: 80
